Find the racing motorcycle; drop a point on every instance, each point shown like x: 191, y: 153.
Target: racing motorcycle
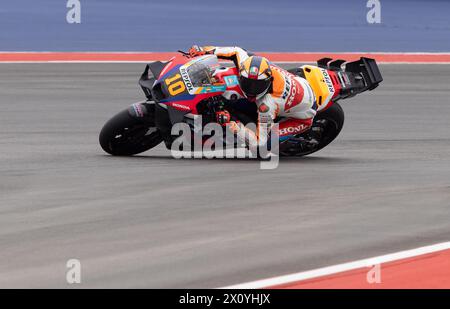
x: 183, y: 88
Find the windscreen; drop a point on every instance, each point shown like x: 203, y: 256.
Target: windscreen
x: 201, y: 70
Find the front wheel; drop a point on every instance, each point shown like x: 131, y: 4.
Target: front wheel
x: 127, y: 135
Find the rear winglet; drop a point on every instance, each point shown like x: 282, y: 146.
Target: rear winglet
x: 368, y: 68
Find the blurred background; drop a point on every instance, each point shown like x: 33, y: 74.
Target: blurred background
x: 263, y: 25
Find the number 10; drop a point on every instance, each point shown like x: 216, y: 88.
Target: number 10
x: 175, y: 85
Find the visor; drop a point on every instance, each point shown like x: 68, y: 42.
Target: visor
x: 254, y: 87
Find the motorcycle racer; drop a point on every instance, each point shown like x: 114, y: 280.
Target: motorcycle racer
x: 276, y: 92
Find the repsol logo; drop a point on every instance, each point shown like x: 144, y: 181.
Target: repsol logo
x: 328, y: 81
x: 186, y: 79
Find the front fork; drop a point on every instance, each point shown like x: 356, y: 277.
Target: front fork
x: 164, y: 125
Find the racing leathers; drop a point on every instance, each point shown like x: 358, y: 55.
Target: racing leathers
x: 290, y: 98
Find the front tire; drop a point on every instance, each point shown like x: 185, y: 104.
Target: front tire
x: 127, y: 135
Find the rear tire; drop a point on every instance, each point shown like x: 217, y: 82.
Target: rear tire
x: 124, y: 135
x: 335, y: 122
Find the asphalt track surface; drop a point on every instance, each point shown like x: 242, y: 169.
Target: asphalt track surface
x: 153, y: 221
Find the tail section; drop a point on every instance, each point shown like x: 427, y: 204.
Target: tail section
x: 352, y: 77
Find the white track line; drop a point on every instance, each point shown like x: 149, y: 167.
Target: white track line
x: 278, y: 62
x: 276, y: 281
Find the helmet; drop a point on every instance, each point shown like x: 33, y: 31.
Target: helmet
x: 255, y: 77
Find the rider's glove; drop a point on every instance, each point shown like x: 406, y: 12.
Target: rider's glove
x: 223, y: 117
x: 196, y: 50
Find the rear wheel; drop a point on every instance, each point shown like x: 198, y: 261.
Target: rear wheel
x: 127, y: 135
x: 331, y: 122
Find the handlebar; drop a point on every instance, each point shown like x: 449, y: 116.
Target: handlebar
x: 185, y: 54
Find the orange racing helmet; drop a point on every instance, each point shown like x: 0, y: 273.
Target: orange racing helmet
x: 255, y: 77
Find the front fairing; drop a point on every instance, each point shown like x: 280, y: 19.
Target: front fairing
x: 184, y: 85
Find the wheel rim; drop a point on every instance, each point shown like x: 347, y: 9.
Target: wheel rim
x: 138, y: 135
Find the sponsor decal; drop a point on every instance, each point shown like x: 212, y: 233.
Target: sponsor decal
x: 253, y: 71
x: 263, y: 108
x: 295, y: 97
x: 287, y: 88
x: 186, y: 79
x: 137, y: 107
x: 231, y: 81
x: 287, y: 81
x: 291, y: 97
x: 180, y: 107
x: 213, y: 89
x: 327, y: 80
x: 293, y: 130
